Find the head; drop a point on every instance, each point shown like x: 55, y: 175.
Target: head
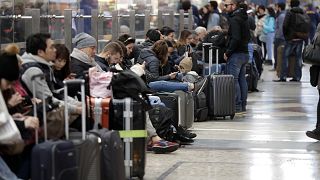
x: 271, y: 12
x: 124, y: 29
x: 124, y: 49
x: 128, y: 41
x: 204, y: 10
x: 160, y: 48
x: 85, y: 43
x: 112, y: 53
x: 213, y: 5
x: 153, y: 35
x: 261, y: 10
x: 170, y: 47
x: 62, y: 61
x: 9, y: 70
x: 186, y: 5
x: 281, y: 6
x: 195, y: 38
x: 14, y: 49
x: 185, y: 37
x: 168, y: 33
x: 201, y: 32
x: 41, y: 45
x: 231, y: 5
x: 294, y: 3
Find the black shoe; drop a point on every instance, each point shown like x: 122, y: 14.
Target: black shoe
x: 185, y: 132
x: 294, y: 80
x: 315, y: 134
x: 280, y: 80
x: 183, y: 140
x: 200, y: 85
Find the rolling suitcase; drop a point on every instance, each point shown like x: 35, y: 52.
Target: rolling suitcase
x: 99, y: 111
x: 291, y: 62
x: 52, y: 159
x: 129, y: 117
x: 186, y: 109
x: 86, y: 144
x: 220, y: 93
x: 112, y: 160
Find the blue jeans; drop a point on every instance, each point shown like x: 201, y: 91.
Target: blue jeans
x: 269, y: 43
x: 236, y: 66
x: 292, y: 47
x: 168, y: 86
x: 5, y: 172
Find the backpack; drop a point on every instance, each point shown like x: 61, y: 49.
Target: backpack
x: 301, y: 25
x: 128, y: 84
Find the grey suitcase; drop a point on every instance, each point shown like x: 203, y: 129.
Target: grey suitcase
x: 220, y: 93
x: 52, y: 159
x: 186, y: 109
x: 86, y: 144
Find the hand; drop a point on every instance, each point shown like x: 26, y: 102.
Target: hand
x: 225, y: 57
x: 17, y: 116
x: 173, y: 75
x: 15, y: 99
x: 36, y: 101
x: 71, y: 76
x: 177, y: 67
x: 31, y: 122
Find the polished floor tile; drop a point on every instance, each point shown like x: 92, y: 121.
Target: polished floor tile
x: 268, y: 143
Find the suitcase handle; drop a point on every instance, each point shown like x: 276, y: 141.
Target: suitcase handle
x: 33, y: 78
x: 83, y: 113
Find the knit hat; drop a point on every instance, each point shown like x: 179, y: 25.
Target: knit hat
x: 83, y: 40
x: 153, y: 35
x: 185, y: 65
x: 9, y: 67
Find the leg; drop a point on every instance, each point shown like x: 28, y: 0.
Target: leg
x: 243, y: 82
x: 269, y: 46
x: 298, y: 65
x: 233, y: 68
x: 286, y: 53
x: 315, y: 134
x: 275, y: 54
x: 5, y: 172
x: 168, y: 86
x: 318, y: 113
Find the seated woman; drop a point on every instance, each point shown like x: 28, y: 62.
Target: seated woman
x: 155, y: 59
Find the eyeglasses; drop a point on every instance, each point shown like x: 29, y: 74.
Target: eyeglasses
x: 226, y: 5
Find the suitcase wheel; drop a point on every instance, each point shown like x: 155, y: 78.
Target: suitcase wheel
x: 232, y: 116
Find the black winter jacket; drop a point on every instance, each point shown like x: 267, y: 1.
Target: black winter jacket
x: 78, y: 68
x: 102, y: 63
x: 288, y: 29
x: 239, y: 32
x: 153, y: 65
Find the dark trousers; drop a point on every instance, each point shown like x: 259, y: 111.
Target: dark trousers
x: 318, y: 113
x: 277, y: 43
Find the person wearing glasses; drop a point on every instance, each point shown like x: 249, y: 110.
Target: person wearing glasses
x: 236, y: 54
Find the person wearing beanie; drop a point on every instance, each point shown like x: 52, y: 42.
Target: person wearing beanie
x: 82, y: 56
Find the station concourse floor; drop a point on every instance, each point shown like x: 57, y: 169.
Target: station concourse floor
x: 268, y: 143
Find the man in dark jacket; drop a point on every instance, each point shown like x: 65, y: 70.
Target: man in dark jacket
x: 293, y: 43
x: 236, y: 54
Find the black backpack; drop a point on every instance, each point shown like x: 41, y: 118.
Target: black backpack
x: 301, y: 25
x: 127, y: 84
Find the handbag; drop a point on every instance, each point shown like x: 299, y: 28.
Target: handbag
x: 99, y: 82
x: 311, y: 53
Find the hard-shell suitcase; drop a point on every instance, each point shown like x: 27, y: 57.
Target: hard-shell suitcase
x: 291, y: 63
x: 52, y: 159
x: 99, y: 110
x: 200, y: 107
x: 112, y: 160
x: 186, y: 109
x: 220, y: 94
x: 129, y: 117
x: 86, y: 144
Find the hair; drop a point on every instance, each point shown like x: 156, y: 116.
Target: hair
x: 126, y: 39
x: 62, y: 52
x: 186, y: 5
x: 200, y: 29
x: 153, y: 35
x: 294, y: 3
x: 113, y: 48
x: 214, y: 4
x: 12, y: 49
x: 169, y: 43
x: 262, y: 7
x: 183, y: 37
x: 271, y: 12
x: 201, y: 11
x: 37, y: 42
x: 166, y: 30
x: 160, y: 48
x: 282, y: 6
x: 123, y: 47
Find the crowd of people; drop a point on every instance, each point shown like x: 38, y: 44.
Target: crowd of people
x: 162, y: 61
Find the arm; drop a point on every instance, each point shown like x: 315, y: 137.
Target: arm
x: 154, y: 70
x: 235, y: 37
x: 286, y: 24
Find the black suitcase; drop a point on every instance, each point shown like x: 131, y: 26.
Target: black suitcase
x: 129, y: 117
x: 112, y: 160
x: 200, y: 107
x: 86, y: 144
x: 171, y: 101
x: 52, y: 159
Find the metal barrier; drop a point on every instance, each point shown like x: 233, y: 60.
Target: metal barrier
x: 33, y: 19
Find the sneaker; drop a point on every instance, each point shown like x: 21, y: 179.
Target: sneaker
x: 294, y: 80
x: 279, y: 80
x: 163, y: 147
x: 315, y: 134
x: 185, y: 132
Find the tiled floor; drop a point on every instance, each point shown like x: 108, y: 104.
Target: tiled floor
x: 269, y: 143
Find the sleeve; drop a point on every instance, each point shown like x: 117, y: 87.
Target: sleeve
x: 286, y: 24
x: 235, y: 37
x: 154, y: 71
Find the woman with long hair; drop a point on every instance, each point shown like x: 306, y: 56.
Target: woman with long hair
x: 269, y: 31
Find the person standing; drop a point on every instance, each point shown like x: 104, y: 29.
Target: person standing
x: 279, y: 37
x: 268, y: 30
x: 237, y: 50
